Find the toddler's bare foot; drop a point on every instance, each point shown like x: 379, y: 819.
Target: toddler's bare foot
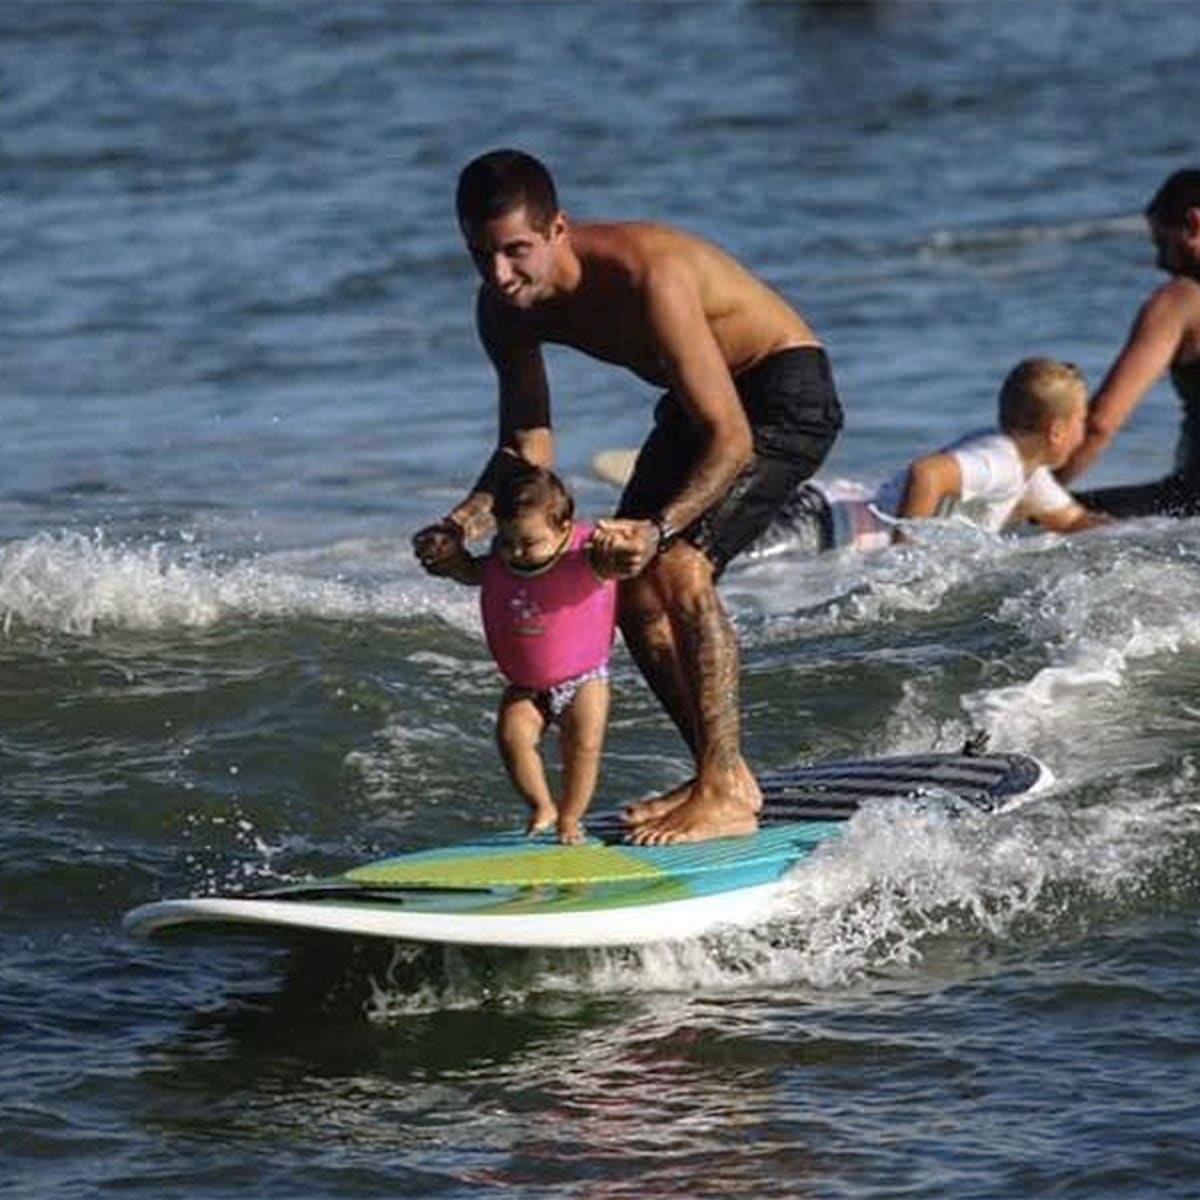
x: 571, y: 831
x: 542, y: 819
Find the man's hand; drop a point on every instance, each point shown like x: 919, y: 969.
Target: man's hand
x: 622, y: 547
x: 439, y: 548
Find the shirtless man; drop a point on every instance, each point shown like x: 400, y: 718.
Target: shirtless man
x: 750, y: 410
x: 1165, y: 337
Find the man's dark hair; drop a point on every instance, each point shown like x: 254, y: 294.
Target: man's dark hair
x: 499, y: 182
x: 526, y: 488
x: 1172, y: 201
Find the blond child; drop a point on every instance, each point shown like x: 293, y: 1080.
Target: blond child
x: 994, y: 478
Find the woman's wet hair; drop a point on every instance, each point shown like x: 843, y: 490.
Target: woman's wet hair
x: 1171, y: 202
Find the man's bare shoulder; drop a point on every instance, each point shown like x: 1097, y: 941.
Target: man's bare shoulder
x: 644, y: 234
x: 641, y: 244
x: 654, y: 257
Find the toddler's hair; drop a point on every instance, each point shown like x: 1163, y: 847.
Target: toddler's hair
x: 1036, y: 392
x: 527, y: 488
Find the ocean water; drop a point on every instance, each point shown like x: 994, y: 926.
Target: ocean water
x: 239, y: 370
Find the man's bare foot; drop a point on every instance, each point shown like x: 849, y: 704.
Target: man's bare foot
x: 541, y: 820
x: 657, y: 806
x: 709, y: 812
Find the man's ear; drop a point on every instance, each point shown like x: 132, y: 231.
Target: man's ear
x: 1191, y: 222
x: 558, y: 225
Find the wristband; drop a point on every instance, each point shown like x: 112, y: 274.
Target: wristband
x: 667, y: 532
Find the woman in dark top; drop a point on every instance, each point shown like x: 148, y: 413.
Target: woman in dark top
x: 1165, y: 338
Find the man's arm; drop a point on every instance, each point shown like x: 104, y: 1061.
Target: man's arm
x: 1148, y: 351
x: 524, y: 409
x: 697, y: 374
x: 464, y: 567
x: 524, y: 433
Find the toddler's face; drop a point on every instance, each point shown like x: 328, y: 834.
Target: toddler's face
x: 1071, y: 429
x: 528, y: 540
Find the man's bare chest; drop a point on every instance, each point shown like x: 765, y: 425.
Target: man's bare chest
x: 611, y: 332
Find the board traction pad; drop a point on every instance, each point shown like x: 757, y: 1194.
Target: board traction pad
x: 799, y: 807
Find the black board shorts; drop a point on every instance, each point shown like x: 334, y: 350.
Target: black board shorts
x: 792, y: 405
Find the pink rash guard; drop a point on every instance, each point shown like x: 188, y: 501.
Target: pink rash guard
x: 552, y: 624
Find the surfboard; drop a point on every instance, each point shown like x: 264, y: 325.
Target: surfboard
x: 614, y: 466
x: 505, y: 889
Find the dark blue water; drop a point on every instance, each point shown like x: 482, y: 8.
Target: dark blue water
x: 239, y: 369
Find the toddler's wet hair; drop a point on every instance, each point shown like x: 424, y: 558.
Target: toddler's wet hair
x: 527, y: 488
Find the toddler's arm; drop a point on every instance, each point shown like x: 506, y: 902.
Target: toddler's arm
x: 932, y: 481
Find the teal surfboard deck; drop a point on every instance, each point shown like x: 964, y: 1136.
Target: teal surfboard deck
x: 509, y: 873
x: 507, y: 889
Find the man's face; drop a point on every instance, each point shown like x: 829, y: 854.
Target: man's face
x: 515, y: 259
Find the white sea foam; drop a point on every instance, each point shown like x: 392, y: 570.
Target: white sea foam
x: 956, y: 241
x: 903, y: 895
x: 846, y: 590
x: 69, y: 583
x: 1063, y: 635
x: 211, y: 836
x: 1120, y: 618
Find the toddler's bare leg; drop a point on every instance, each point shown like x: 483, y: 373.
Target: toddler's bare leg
x: 581, y: 737
x: 519, y: 729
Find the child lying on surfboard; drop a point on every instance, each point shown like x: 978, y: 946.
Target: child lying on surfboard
x: 994, y: 478
x: 549, y: 619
